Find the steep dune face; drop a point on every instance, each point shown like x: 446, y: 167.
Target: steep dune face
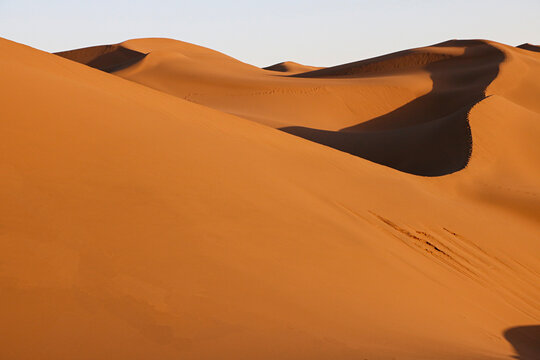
x: 107, y: 58
x: 138, y: 225
x: 503, y: 169
x: 430, y: 135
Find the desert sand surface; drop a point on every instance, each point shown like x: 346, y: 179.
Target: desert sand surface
x: 161, y: 200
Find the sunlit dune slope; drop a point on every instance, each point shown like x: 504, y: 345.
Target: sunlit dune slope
x: 405, y: 60
x: 218, y: 81
x: 139, y: 225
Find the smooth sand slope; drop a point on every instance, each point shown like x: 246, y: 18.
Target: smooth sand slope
x: 139, y: 225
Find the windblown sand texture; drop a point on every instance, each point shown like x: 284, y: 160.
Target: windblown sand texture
x: 161, y: 200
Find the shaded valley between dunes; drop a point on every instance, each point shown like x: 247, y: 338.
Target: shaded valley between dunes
x: 430, y: 135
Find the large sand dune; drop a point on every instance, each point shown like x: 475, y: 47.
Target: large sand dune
x: 158, y: 212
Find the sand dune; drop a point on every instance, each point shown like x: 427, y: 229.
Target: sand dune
x: 168, y: 217
x: 351, y: 113
x: 398, y: 61
x: 215, y: 80
x: 530, y: 47
x: 291, y: 67
x: 429, y: 135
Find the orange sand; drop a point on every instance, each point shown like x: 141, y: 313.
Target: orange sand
x: 155, y: 212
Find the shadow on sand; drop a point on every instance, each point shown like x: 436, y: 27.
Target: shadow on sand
x: 430, y: 135
x: 108, y: 58
x: 525, y: 340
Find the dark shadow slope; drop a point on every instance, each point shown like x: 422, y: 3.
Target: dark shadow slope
x: 281, y: 67
x: 429, y: 136
x: 525, y: 340
x: 290, y: 67
x: 530, y: 47
x: 107, y: 58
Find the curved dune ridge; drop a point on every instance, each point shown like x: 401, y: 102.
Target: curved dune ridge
x: 376, y: 118
x: 166, y: 217
x: 398, y: 61
x: 429, y: 135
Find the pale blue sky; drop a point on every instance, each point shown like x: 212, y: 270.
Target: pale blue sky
x: 313, y: 32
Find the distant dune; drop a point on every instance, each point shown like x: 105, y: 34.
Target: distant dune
x: 290, y: 67
x: 401, y: 60
x: 182, y: 204
x: 530, y: 47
